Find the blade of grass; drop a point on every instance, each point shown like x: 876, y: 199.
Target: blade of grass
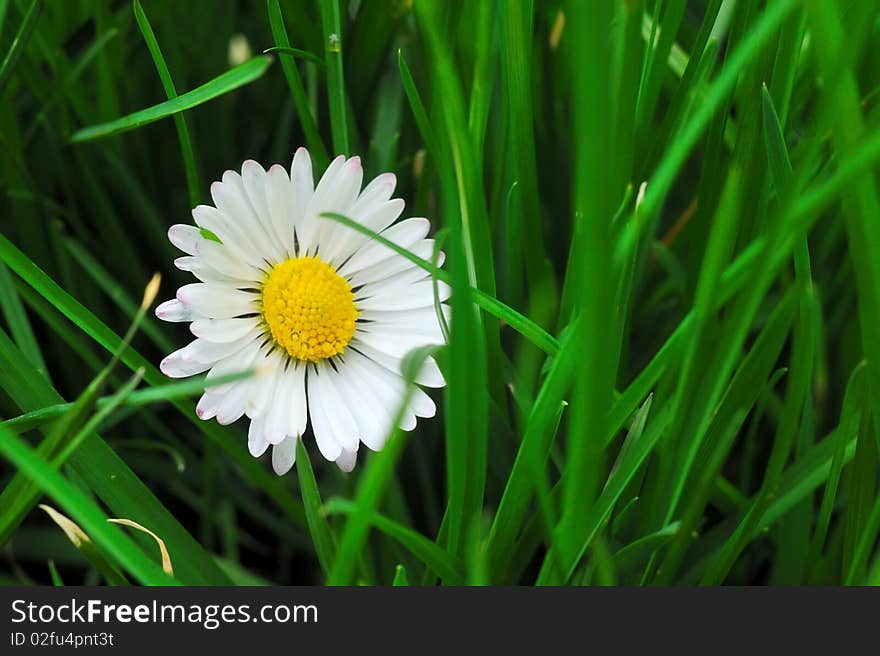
x: 614, y: 487
x: 519, y: 322
x: 483, y: 82
x: 138, y: 398
x: 432, y: 555
x: 531, y: 457
x: 466, y: 407
x: 332, y: 32
x: 18, y: 322
x: 849, y: 422
x: 86, y: 547
x: 186, y: 149
x: 677, y: 153
x: 296, y: 52
x: 84, y: 510
x: 220, y: 85
x: 797, y: 389
x: 742, y: 394
x: 692, y: 406
x: 322, y: 536
x: 862, y: 212
x: 400, y: 577
x: 593, y: 208
x: 516, y: 30
x: 62, y: 88
x: 18, y: 43
x: 19, y: 496
x: 297, y: 92
x: 57, y: 581
x: 99, y: 332
x: 374, y: 482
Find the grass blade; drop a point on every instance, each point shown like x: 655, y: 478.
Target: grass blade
x: 186, y: 149
x: 432, y: 555
x: 220, y: 85
x: 322, y: 537
x: 335, y: 80
x: 294, y: 81
x: 81, y: 508
x: 18, y: 43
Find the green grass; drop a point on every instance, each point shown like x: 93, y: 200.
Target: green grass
x: 664, y: 360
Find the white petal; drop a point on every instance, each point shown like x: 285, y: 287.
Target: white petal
x: 423, y: 322
x: 379, y: 218
x: 387, y: 387
x: 405, y: 234
x: 223, y: 260
x: 222, y: 330
x: 198, y: 267
x: 343, y: 424
x: 207, y: 406
x: 327, y: 444
x: 339, y: 241
x: 396, y: 344
x: 281, y: 202
x: 422, y: 405
x: 217, y: 301
x: 347, y: 460
x: 257, y: 443
x: 231, y: 199
x: 410, y: 296
x: 373, y: 418
x: 377, y: 192
x: 185, y: 237
x: 376, y: 220
x: 255, y: 180
x: 177, y: 366
x: 396, y: 264
x: 407, y: 422
x: 278, y: 414
x: 234, y: 403
x: 429, y: 375
x: 174, y: 311
x: 373, y: 210
x: 287, y: 413
x: 263, y: 387
x: 302, y: 182
x: 203, y: 351
x: 210, y: 218
x: 245, y: 359
x: 393, y: 389
x: 295, y: 390
x: 403, y: 283
x: 310, y: 226
x: 284, y: 455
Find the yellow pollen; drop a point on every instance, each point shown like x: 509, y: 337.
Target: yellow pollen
x: 309, y: 308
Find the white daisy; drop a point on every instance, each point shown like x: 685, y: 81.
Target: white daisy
x: 328, y: 312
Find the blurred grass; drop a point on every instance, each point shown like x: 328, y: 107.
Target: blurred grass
x: 664, y: 360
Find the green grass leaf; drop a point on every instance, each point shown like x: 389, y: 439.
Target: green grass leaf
x: 219, y: 86
x: 25, y: 30
x: 186, y: 149
x: 307, y: 121
x: 99, y: 332
x: 332, y: 33
x: 322, y: 536
x: 432, y: 555
x: 519, y: 322
x: 81, y: 508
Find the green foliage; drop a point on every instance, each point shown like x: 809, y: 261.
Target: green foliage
x: 662, y: 220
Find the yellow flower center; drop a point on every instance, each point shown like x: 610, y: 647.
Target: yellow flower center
x: 309, y: 308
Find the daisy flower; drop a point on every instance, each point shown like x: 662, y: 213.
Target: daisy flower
x: 324, y: 312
